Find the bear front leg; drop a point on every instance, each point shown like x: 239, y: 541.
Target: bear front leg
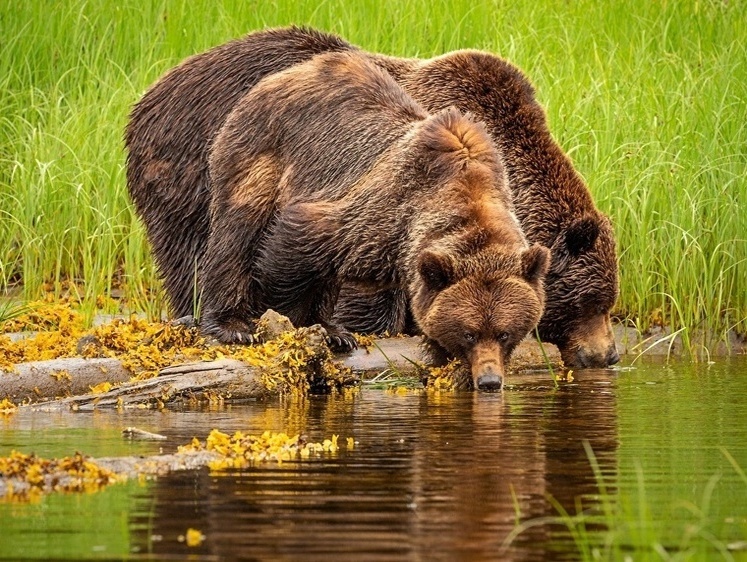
x: 338, y: 338
x: 297, y: 271
x: 304, y: 294
x: 229, y: 293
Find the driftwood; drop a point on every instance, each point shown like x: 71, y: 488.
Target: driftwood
x: 59, y: 377
x: 26, y: 475
x: 221, y: 380
x: 209, y: 381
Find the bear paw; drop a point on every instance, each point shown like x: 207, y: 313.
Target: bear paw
x: 188, y: 321
x: 339, y: 340
x: 232, y: 332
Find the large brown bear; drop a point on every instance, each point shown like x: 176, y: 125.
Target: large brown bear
x: 328, y: 173
x: 170, y: 130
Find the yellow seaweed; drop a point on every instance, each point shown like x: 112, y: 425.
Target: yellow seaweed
x: 144, y: 348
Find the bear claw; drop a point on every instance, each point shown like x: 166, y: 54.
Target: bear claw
x: 228, y: 337
x: 341, y: 343
x: 242, y: 338
x: 187, y: 321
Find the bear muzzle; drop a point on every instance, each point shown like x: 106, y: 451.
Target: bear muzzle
x: 591, y: 358
x: 592, y: 345
x: 490, y: 380
x: 487, y: 367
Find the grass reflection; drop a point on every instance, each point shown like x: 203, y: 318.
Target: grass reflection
x: 633, y: 525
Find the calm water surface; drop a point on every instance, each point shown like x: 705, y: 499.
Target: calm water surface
x: 432, y: 476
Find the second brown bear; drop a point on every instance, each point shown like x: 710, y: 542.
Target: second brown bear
x: 329, y: 173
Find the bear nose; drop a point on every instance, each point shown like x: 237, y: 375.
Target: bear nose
x: 489, y: 380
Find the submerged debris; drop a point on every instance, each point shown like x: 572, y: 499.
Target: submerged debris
x: 25, y: 476
x: 137, y: 433
x: 240, y: 451
x: 564, y: 376
x: 7, y: 407
x: 68, y: 474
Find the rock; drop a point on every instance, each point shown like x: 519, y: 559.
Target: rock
x: 271, y: 324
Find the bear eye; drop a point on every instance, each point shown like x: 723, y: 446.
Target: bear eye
x: 503, y: 336
x: 469, y: 337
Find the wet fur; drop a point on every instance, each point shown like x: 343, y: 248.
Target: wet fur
x: 551, y: 199
x: 364, y: 187
x: 169, y: 134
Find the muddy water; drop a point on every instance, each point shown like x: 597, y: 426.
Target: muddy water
x: 432, y: 476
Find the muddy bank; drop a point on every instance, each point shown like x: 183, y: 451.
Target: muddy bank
x: 88, y: 383
x: 664, y: 341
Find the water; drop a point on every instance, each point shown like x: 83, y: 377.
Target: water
x: 431, y: 477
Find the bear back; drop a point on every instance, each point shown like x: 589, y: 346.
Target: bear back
x: 338, y: 104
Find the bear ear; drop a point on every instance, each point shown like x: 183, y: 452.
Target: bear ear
x: 581, y: 234
x: 534, y: 262
x: 437, y: 270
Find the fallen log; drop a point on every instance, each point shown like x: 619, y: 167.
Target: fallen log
x: 214, y: 381
x: 70, y: 376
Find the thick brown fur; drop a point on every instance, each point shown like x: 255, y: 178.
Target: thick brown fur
x: 170, y: 130
x: 329, y: 173
x: 551, y: 199
x: 169, y: 133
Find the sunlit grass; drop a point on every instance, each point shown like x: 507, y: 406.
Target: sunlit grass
x: 648, y: 98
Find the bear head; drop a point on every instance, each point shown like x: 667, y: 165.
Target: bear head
x: 581, y: 289
x: 552, y: 200
x: 477, y: 308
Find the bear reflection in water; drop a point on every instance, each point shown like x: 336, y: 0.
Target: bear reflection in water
x: 432, y: 476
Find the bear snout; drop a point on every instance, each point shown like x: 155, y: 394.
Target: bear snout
x: 486, y: 360
x: 591, y: 345
x: 612, y: 355
x: 586, y: 357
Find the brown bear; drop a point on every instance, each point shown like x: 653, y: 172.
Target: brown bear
x: 328, y: 173
x: 170, y: 131
x: 168, y: 136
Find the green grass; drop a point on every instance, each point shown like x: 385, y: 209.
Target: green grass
x: 647, y: 97
x: 629, y: 525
